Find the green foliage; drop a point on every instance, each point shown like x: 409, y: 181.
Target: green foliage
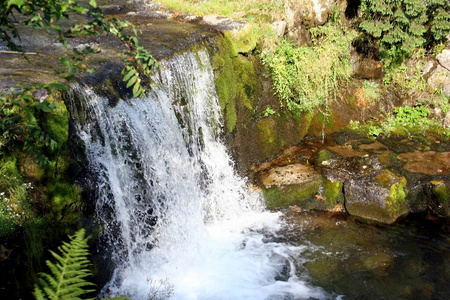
x: 402, y: 26
x: 407, y: 120
x: 371, y: 90
x: 67, y: 277
x: 268, y: 111
x: 305, y: 78
x: 13, y: 192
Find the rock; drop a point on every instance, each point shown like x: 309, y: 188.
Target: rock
x: 440, y: 79
x: 222, y: 23
x: 302, y: 14
x: 428, y: 162
x: 295, y: 184
x: 447, y: 120
x: 444, y: 58
x: 280, y: 28
x: 376, y: 195
x: 308, y: 12
x: 365, y: 67
x: 438, y: 197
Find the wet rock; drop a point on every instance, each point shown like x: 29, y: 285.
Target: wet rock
x: 295, y: 184
x: 438, y: 197
x: 376, y: 195
x: 428, y: 162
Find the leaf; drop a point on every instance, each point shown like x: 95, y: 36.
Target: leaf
x: 93, y: 3
x: 129, y: 74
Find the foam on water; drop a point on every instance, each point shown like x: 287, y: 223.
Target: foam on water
x: 179, y: 221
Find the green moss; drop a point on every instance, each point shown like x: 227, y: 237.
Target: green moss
x: 396, y: 198
x: 441, y: 191
x: 294, y: 194
x: 236, y: 82
x: 322, y: 156
x: 333, y: 193
x: 268, y: 135
x: 244, y: 40
x: 65, y: 201
x: 56, y: 124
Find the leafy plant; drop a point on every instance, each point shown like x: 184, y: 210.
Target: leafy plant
x: 66, y: 279
x: 268, y: 111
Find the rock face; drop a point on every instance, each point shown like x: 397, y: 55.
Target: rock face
x: 303, y: 14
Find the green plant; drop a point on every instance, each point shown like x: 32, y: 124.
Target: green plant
x: 268, y: 111
x: 371, y: 90
x: 402, y: 26
x: 306, y: 78
x: 66, y: 279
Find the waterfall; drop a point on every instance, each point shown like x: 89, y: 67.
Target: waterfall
x: 180, y: 222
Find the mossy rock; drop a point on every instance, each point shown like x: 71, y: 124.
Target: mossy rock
x: 376, y: 195
x: 333, y: 193
x: 284, y: 196
x: 438, y: 197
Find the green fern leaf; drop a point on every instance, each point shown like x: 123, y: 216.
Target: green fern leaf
x: 66, y: 279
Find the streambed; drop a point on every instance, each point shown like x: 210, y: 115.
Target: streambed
x: 407, y: 260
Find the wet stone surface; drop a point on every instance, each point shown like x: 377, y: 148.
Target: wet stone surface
x: 376, y: 180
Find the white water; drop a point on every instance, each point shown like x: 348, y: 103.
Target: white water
x: 181, y: 223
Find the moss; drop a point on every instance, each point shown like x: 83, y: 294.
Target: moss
x: 333, y: 193
x: 322, y: 156
x: 56, y: 124
x: 267, y: 135
x: 441, y: 191
x: 65, y: 201
x: 294, y: 194
x: 385, y: 178
x: 244, y: 40
x: 236, y: 82
x: 395, y: 201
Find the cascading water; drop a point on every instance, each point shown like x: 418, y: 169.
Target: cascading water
x: 179, y: 220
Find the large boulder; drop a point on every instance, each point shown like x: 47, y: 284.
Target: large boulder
x: 377, y: 195
x: 295, y: 184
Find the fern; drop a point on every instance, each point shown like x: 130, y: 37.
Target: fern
x: 66, y: 279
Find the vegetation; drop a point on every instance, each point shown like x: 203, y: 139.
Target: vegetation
x: 307, y: 77
x: 67, y: 277
x: 38, y: 200
x: 403, y: 26
x: 404, y: 120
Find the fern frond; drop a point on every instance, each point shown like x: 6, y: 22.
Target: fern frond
x: 66, y: 279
